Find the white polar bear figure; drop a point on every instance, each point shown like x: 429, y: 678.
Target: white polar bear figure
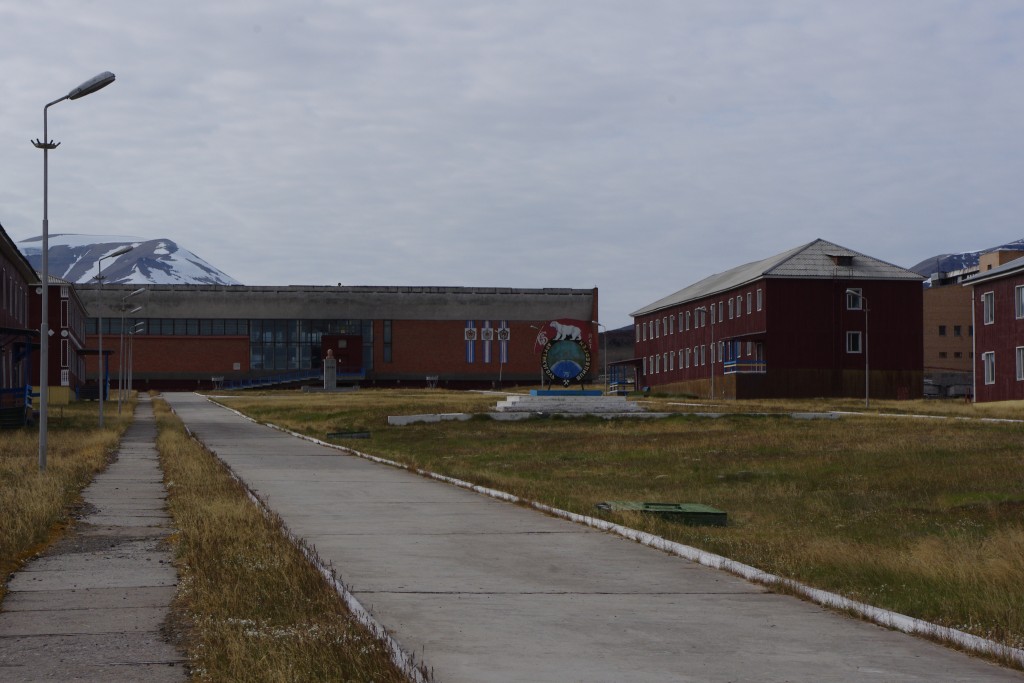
x: 565, y: 331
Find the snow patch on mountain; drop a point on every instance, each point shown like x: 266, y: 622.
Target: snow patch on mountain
x: 76, y: 258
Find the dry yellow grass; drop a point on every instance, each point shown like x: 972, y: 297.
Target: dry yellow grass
x: 250, y: 605
x: 35, y: 505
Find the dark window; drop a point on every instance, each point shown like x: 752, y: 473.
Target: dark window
x: 942, y: 330
x: 958, y: 331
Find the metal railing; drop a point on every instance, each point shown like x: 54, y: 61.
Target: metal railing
x: 739, y: 367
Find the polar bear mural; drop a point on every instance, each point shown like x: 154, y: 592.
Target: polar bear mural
x: 565, y: 331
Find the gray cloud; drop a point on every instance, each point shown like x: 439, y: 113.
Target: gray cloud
x: 636, y: 147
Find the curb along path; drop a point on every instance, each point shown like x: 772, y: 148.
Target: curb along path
x: 92, y: 606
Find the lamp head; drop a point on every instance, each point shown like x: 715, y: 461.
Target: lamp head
x: 92, y: 85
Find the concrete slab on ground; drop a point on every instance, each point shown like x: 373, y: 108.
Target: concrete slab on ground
x: 92, y: 607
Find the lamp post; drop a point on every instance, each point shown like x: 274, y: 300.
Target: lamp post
x: 99, y: 321
x: 92, y: 85
x: 138, y: 327
x: 867, y: 375
x: 120, y: 353
x: 604, y: 354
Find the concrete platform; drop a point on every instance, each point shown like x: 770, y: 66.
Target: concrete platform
x: 486, y: 591
x: 567, y: 404
x: 92, y: 607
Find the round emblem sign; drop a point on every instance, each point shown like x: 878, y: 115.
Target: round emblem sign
x: 566, y: 361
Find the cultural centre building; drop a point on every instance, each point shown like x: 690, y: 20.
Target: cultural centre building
x: 199, y: 336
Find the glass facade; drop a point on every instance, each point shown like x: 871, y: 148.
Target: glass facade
x: 273, y: 344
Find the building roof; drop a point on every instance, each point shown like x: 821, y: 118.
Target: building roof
x: 10, y: 250
x: 346, y: 302
x: 1008, y: 268
x: 817, y: 260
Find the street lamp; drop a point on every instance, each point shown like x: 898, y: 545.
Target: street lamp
x: 120, y: 353
x: 867, y: 376
x: 604, y: 354
x: 99, y: 320
x: 92, y: 85
x: 138, y: 327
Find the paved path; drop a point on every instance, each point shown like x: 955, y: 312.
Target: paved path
x: 488, y: 591
x: 91, y: 607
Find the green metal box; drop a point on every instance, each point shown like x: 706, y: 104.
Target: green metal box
x: 694, y: 514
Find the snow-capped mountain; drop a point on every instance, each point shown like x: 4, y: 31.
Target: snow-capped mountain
x: 151, y: 261
x: 948, y: 263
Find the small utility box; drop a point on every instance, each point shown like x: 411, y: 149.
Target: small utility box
x: 694, y: 514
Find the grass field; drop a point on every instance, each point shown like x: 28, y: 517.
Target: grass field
x: 34, y: 505
x: 922, y: 516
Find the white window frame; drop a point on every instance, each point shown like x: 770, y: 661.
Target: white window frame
x: 1020, y: 363
x: 730, y: 308
x: 855, y: 299
x: 687, y: 321
x: 988, y: 362
x: 854, y: 341
x: 638, y: 331
x: 760, y: 299
x: 988, y: 307
x: 1018, y: 301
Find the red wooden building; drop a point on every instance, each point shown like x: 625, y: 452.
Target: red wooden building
x: 17, y: 277
x: 67, y: 348
x: 998, y: 302
x: 808, y: 322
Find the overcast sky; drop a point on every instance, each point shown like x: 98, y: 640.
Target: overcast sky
x: 632, y: 146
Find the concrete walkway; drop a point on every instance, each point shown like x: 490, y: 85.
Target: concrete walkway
x: 488, y: 591
x: 91, y: 607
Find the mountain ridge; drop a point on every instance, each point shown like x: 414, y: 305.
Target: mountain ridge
x: 76, y: 258
x: 948, y: 263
